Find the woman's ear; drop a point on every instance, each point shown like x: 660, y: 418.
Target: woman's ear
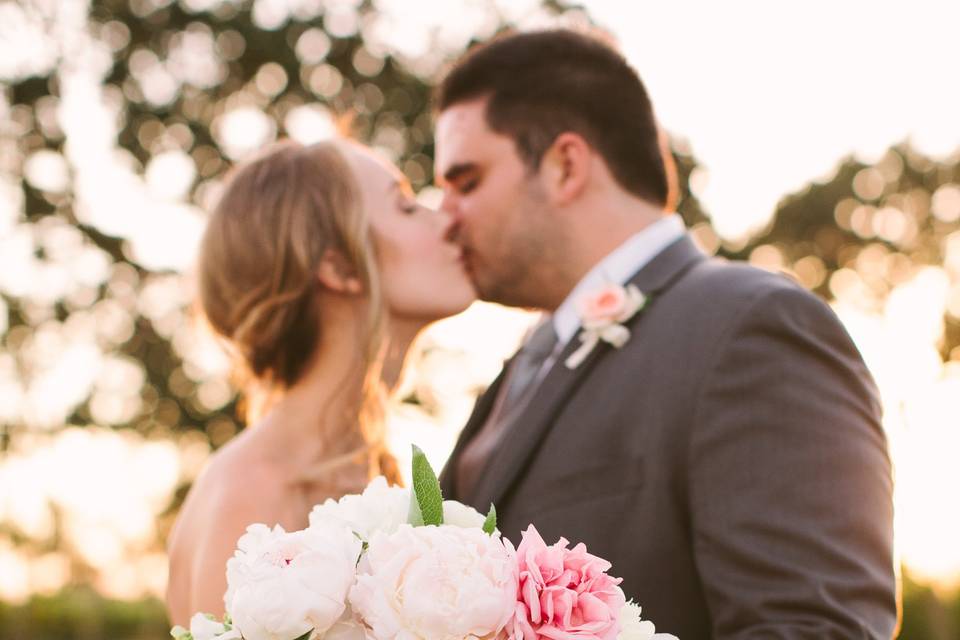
x: 337, y: 274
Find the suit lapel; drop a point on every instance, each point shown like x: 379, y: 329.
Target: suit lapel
x: 529, y: 427
x: 533, y: 424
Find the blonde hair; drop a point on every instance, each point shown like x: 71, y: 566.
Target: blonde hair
x: 279, y: 215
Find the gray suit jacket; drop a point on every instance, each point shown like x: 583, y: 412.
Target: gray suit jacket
x: 728, y: 460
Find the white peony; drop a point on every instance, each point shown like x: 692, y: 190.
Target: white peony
x: 379, y: 508
x: 435, y: 582
x: 633, y: 628
x: 205, y: 627
x: 347, y: 628
x: 384, y: 508
x: 457, y: 514
x: 282, y: 585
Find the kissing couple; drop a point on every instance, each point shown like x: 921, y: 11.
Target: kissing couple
x: 708, y: 427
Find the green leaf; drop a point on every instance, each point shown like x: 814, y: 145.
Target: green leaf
x: 305, y: 636
x: 490, y: 524
x: 414, y: 517
x: 426, y: 501
x: 179, y: 633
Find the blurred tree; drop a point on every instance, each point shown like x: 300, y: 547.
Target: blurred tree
x: 928, y: 615
x: 870, y: 228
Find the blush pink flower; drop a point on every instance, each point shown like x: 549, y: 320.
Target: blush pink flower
x: 602, y: 313
x: 564, y: 594
x: 603, y: 306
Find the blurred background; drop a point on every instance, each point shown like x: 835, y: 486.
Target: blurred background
x: 819, y: 139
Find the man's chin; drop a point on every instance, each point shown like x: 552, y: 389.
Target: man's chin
x: 485, y: 290
x: 495, y: 288
x: 496, y: 293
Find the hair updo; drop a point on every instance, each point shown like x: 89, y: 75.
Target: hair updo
x: 279, y: 215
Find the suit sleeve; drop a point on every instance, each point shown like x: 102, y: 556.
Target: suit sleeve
x: 790, y: 482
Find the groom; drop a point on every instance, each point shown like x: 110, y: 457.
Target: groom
x: 728, y: 456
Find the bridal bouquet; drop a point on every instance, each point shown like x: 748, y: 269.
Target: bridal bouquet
x: 402, y: 564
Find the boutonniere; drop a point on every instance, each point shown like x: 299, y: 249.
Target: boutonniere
x: 602, y: 314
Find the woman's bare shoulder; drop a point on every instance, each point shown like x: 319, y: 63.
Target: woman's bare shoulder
x: 235, y: 485
x: 235, y: 490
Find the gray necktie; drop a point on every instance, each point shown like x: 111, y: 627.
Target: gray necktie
x: 517, y: 387
x: 528, y: 363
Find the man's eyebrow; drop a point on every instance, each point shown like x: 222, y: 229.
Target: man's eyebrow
x: 458, y: 170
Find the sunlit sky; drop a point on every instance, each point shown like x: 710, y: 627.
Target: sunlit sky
x: 767, y: 95
x: 772, y: 94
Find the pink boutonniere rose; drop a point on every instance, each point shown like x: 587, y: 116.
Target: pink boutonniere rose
x: 602, y: 314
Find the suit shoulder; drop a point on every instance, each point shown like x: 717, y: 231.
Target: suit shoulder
x: 717, y: 296
x: 739, y: 282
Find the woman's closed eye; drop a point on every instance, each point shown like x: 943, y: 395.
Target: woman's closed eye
x: 408, y: 205
x: 406, y: 201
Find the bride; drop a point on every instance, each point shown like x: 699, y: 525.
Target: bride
x: 319, y: 268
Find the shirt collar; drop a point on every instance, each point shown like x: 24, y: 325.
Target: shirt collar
x: 617, y: 268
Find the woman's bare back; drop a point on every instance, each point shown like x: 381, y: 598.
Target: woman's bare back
x: 244, y: 483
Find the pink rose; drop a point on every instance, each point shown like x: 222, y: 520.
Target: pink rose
x: 603, y: 306
x: 565, y: 594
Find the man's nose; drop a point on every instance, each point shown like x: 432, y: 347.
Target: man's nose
x: 450, y: 230
x: 448, y: 204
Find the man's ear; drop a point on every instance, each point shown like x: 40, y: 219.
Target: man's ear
x: 566, y: 167
x: 336, y: 273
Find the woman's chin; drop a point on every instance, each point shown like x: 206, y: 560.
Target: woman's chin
x: 468, y: 297
x: 438, y: 309
x: 453, y: 300
x: 454, y: 308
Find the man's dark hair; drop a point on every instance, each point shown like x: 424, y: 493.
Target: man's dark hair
x: 543, y: 83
